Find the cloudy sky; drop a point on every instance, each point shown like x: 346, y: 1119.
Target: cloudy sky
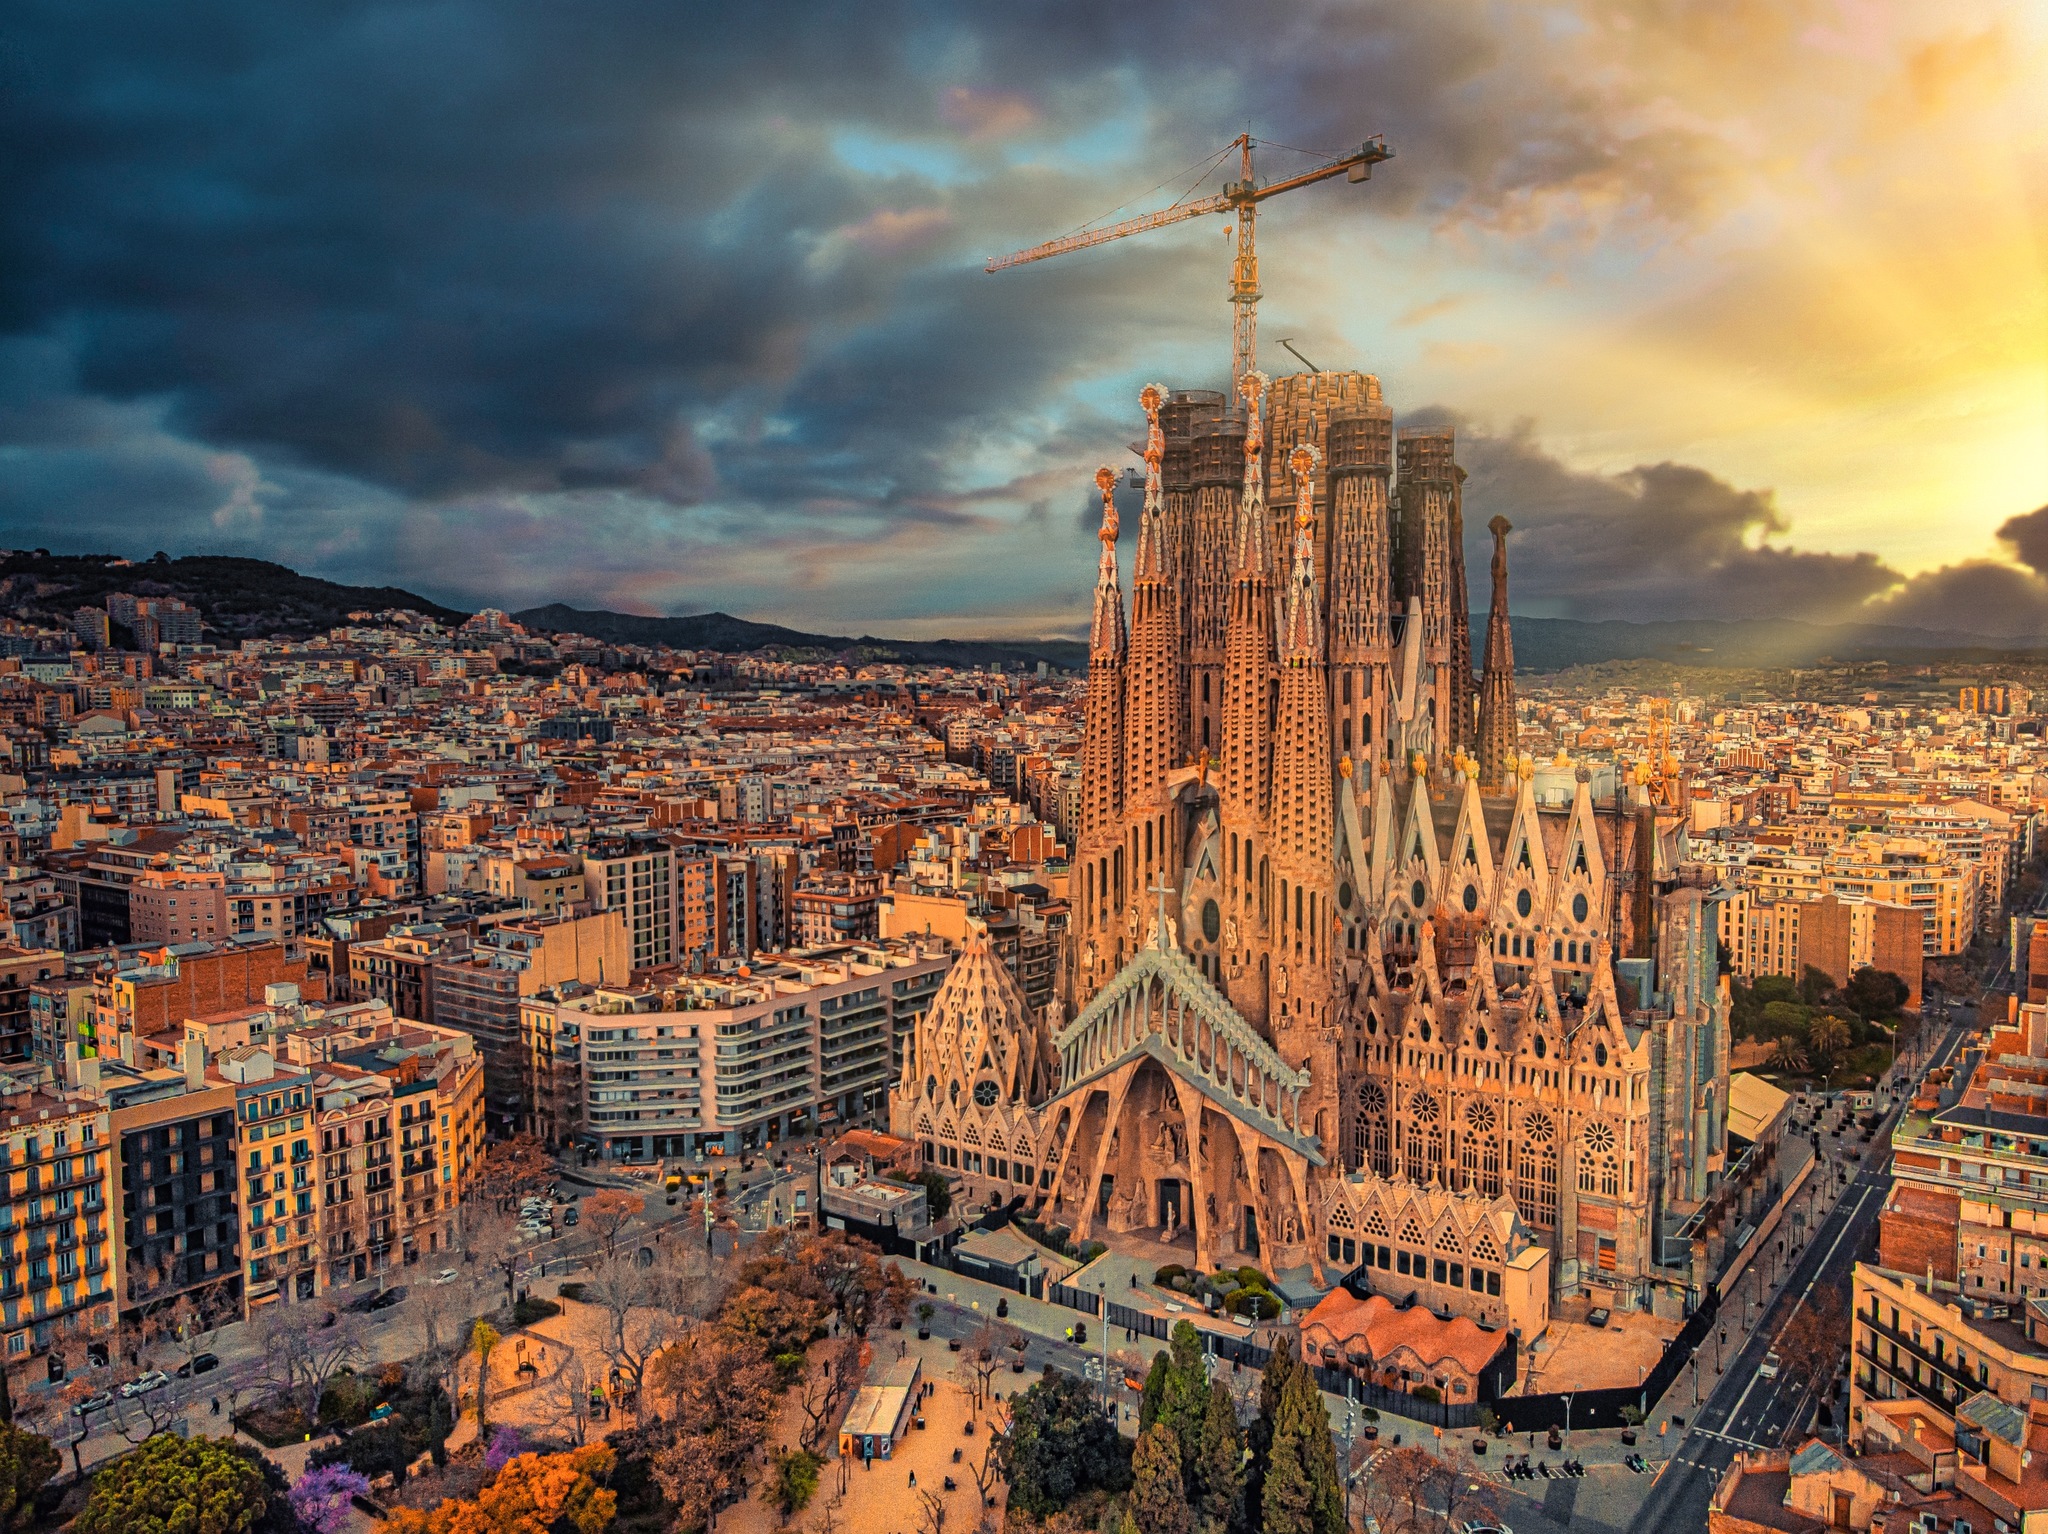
x: 1741, y: 307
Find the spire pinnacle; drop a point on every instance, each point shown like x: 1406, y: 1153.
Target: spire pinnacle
x: 1106, y: 634
x: 1151, y: 561
x: 1303, y: 641
x: 1105, y: 481
x: 1251, y: 505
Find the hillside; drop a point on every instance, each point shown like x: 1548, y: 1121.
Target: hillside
x: 237, y: 598
x: 722, y: 631
x: 1553, y: 644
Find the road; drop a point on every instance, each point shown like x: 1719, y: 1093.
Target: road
x: 1746, y: 1410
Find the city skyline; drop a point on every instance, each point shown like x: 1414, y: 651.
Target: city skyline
x: 1736, y: 316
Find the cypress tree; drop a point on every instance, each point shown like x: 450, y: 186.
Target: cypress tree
x: 1184, y: 1403
x: 1159, y: 1499
x: 1280, y: 1365
x: 1302, y: 1494
x: 1219, y: 1463
x: 1155, y: 1390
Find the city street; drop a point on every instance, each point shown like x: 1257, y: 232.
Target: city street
x: 1746, y: 1410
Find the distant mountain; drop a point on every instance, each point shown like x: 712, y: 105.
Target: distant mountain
x: 237, y: 598
x: 1552, y: 644
x: 722, y: 631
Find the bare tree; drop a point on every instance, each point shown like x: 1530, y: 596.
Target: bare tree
x: 299, y: 1359
x: 494, y: 1241
x: 442, y: 1312
x: 981, y: 1356
x: 563, y: 1400
x: 826, y: 1389
x: 988, y: 1469
x: 931, y: 1512
x: 607, y: 1213
x: 636, y: 1315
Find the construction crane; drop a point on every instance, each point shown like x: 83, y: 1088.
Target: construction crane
x: 1241, y: 198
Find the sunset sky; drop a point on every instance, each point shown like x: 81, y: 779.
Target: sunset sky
x: 1741, y: 308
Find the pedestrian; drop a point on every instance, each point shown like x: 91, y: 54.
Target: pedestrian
x: 913, y: 1478
x: 216, y: 1406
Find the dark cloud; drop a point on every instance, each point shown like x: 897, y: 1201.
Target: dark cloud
x: 1978, y: 596
x: 2027, y: 536
x: 575, y: 278
x: 1661, y: 540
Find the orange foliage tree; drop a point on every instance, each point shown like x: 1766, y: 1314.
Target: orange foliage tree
x: 533, y: 1494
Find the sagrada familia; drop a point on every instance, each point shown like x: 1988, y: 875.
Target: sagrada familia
x: 1350, y: 983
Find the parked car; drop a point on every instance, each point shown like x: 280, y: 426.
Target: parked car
x: 387, y: 1299
x: 99, y: 1401
x: 203, y: 1363
x: 1598, y: 1316
x: 446, y: 1276
x: 1769, y: 1367
x: 571, y: 1217
x: 143, y: 1384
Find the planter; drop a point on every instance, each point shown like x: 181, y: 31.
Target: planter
x: 1628, y: 1436
x: 924, y: 1334
x: 1479, y: 1446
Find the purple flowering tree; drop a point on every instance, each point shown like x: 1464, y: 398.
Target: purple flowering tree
x: 320, y: 1497
x: 504, y: 1448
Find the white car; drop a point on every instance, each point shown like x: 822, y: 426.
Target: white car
x: 143, y: 1384
x: 1768, y: 1369
x: 446, y: 1276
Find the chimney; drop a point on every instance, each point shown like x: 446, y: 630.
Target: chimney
x: 89, y: 1074
x: 193, y: 1052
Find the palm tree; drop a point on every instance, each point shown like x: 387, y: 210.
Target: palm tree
x: 1828, y: 1039
x: 1787, y: 1055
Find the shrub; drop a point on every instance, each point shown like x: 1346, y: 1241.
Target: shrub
x: 178, y: 1485
x: 792, y: 1480
x: 531, y: 1309
x: 1092, y: 1250
x: 27, y: 1460
x: 505, y: 1447
x: 572, y: 1291
x: 1169, y: 1273
x: 1426, y: 1393
x: 320, y: 1498
x: 344, y: 1401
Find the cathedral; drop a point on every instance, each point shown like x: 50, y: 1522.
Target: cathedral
x: 1351, y: 986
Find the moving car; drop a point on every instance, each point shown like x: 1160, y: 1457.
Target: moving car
x: 570, y: 1217
x: 202, y: 1363
x: 1769, y: 1367
x: 143, y: 1384
x: 92, y: 1403
x: 446, y: 1276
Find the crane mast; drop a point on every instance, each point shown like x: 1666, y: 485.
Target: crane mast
x: 1241, y: 198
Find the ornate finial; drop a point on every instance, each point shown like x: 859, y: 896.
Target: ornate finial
x: 1418, y: 764
x: 1302, y: 461
x: 1253, y: 387
x: 1205, y: 766
x: 1344, y: 766
x: 1525, y: 769
x: 1105, y: 481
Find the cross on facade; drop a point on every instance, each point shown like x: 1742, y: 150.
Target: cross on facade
x: 1162, y: 889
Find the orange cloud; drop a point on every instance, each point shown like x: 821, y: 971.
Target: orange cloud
x: 986, y: 114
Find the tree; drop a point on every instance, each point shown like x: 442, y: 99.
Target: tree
x: 1060, y: 1445
x: 826, y: 1389
x: 607, y: 1213
x: 320, y: 1498
x: 175, y: 1485
x: 1814, y: 1338
x: 510, y: 1170
x: 534, y: 1494
x: 718, y: 1396
x: 483, y: 1341
x: 1874, y: 993
x: 27, y: 1461
x: 981, y: 1356
x: 1816, y: 985
x: 299, y: 1360
x: 1302, y: 1494
x: 563, y: 1399
x: 1184, y: 1403
x: 1828, y: 1039
x: 1281, y: 1366
x: 792, y: 1480
x: 850, y: 1273
x: 636, y: 1314
x: 1217, y: 1485
x: 1155, y: 1389
x: 1787, y: 1055
x: 1158, y: 1493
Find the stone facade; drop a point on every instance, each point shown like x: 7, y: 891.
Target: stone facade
x: 1307, y: 955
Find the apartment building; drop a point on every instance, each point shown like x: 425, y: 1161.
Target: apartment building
x: 56, y: 1238
x: 673, y: 1064
x: 1949, y: 1335
x: 280, y: 1181
x: 398, y: 968
x: 636, y: 877
x: 207, y: 900
x: 1883, y: 870
x: 179, y: 1232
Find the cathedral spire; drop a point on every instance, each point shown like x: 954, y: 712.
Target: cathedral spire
x: 1153, y: 716
x: 1302, y: 641
x: 1102, y: 794
x: 1497, y: 735
x: 1248, y: 646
